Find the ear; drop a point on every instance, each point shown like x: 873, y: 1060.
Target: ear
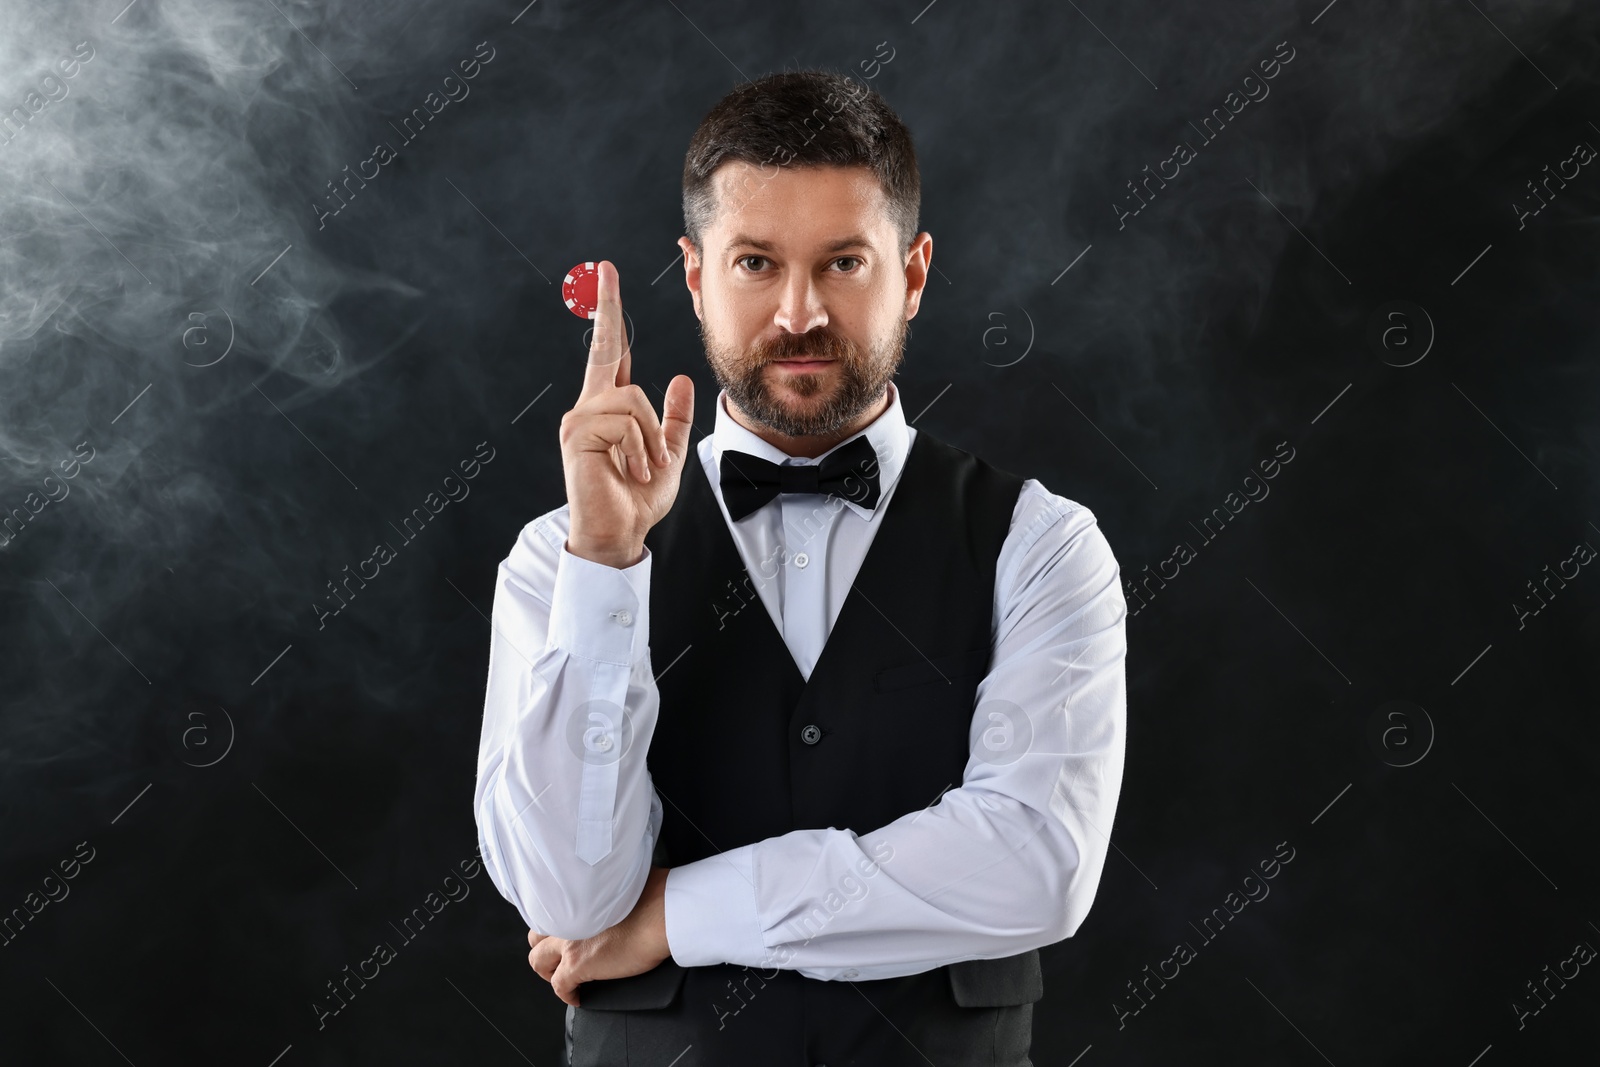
x: 691, y: 273
x: 918, y: 259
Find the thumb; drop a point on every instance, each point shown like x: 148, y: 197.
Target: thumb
x: 677, y: 417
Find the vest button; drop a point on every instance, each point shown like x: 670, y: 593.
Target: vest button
x: 811, y: 735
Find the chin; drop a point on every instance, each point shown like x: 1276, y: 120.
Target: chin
x: 792, y: 397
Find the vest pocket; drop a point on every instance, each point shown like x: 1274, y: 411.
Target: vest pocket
x: 999, y: 983
x: 956, y: 666
x: 655, y: 988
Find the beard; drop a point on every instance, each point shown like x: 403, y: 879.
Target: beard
x: 830, y: 399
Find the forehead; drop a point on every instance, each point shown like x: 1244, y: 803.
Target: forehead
x: 798, y: 206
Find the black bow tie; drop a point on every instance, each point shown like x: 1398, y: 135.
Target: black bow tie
x: 850, y: 471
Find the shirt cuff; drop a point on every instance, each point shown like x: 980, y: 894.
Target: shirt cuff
x: 711, y: 914
x: 600, y: 612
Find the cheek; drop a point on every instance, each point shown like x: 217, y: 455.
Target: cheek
x: 863, y: 337
x: 733, y: 326
x: 719, y: 343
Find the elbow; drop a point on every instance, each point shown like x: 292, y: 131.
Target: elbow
x: 556, y: 892
x: 557, y: 908
x: 574, y: 927
x: 1046, y: 922
x: 1067, y: 889
x: 581, y: 912
x: 554, y: 903
x: 1057, y: 921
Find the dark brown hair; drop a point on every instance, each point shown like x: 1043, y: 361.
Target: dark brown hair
x: 803, y: 118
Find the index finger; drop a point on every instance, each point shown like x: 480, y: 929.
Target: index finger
x: 607, y: 366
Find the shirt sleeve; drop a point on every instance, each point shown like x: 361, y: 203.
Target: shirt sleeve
x: 566, y: 813
x: 1008, y: 861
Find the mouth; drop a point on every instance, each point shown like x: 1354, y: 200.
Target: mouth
x: 801, y: 365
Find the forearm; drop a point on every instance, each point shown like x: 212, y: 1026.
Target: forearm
x: 977, y: 877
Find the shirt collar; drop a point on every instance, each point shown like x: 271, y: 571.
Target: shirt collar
x: 888, y: 434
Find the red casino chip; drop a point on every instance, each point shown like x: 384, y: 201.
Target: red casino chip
x: 581, y: 290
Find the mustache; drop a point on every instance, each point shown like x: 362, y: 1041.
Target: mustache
x: 819, y: 344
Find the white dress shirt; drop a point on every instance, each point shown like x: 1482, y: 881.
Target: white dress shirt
x: 1006, y: 860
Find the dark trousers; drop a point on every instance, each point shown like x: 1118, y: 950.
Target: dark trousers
x: 973, y: 1014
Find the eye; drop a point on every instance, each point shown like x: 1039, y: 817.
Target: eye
x: 855, y: 260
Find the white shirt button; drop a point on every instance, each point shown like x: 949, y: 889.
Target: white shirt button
x: 801, y: 559
x: 851, y: 973
x: 623, y: 617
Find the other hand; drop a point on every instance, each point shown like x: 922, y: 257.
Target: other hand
x: 635, y: 945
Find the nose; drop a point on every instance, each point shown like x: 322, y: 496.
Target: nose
x: 800, y: 308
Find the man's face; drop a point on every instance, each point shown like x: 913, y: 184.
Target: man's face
x: 803, y: 294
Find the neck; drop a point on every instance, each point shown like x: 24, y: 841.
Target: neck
x: 808, y: 446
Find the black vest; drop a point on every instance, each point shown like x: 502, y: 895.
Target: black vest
x: 745, y: 748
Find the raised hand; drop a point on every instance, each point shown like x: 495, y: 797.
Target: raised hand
x: 622, y: 463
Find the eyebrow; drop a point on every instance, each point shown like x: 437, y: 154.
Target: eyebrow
x: 855, y: 240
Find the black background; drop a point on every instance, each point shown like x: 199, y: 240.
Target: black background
x: 160, y: 616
